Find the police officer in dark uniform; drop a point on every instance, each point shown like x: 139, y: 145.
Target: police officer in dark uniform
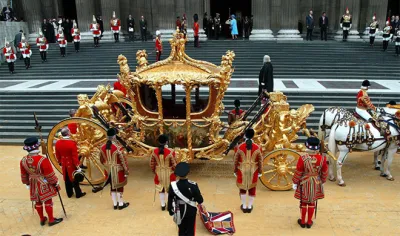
x: 190, y: 190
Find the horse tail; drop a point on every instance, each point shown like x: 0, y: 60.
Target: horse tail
x: 332, y: 140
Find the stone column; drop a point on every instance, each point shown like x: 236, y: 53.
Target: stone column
x: 355, y: 11
x: 261, y: 10
x: 48, y: 9
x: 33, y: 15
x: 84, y: 13
x: 124, y: 6
x: 289, y: 17
x: 107, y: 8
x: 368, y: 9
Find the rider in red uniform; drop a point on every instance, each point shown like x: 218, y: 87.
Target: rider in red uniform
x: 309, y: 177
x: 236, y: 113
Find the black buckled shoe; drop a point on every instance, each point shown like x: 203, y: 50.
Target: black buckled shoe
x: 241, y: 208
x: 56, y: 221
x: 309, y: 225
x: 115, y: 207
x: 82, y: 195
x: 163, y: 208
x: 249, y: 210
x: 126, y: 204
x: 302, y: 225
x: 43, y: 222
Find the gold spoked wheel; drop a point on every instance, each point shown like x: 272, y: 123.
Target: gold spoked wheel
x: 278, y: 169
x: 90, y: 136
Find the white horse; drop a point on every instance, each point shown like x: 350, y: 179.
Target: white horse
x: 332, y: 115
x: 361, y: 136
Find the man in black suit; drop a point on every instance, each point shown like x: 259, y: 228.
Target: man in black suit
x: 100, y: 22
x: 143, y: 28
x: 310, y: 25
x: 266, y: 76
x: 131, y: 28
x: 323, y: 25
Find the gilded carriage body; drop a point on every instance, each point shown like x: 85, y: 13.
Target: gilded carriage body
x: 152, y: 106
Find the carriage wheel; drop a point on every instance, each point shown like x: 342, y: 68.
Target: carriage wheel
x: 90, y: 136
x: 278, y: 169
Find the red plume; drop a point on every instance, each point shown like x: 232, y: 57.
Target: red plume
x: 375, y: 16
x: 388, y: 20
x: 347, y: 8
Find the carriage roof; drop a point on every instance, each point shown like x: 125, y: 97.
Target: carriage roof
x: 179, y: 68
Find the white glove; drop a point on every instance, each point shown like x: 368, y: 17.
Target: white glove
x: 234, y: 174
x: 28, y: 187
x: 341, y: 26
x: 79, y: 170
x: 350, y: 25
x: 259, y: 175
x: 294, y: 186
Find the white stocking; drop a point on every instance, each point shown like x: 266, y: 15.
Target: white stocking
x: 162, y: 199
x: 120, y: 200
x: 114, y: 198
x: 251, y: 200
x: 243, y: 198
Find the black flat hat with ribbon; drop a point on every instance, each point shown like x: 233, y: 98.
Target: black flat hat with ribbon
x: 31, y: 143
x: 182, y: 169
x: 313, y: 143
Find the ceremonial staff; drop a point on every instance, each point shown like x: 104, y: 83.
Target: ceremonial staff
x: 38, y: 129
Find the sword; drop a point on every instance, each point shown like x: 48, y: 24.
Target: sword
x: 316, y: 209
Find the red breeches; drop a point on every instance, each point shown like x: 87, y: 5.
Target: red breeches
x: 48, y: 205
x: 307, y: 208
x: 252, y: 192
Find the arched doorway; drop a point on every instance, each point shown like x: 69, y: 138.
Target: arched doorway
x: 393, y: 7
x: 69, y: 9
x: 225, y: 8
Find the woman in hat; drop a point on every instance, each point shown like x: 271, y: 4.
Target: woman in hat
x: 38, y: 175
x: 234, y: 29
x: 308, y: 179
x: 248, y: 167
x: 162, y: 163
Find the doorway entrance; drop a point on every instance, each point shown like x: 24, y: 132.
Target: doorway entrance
x: 69, y: 8
x: 225, y: 8
x: 393, y: 8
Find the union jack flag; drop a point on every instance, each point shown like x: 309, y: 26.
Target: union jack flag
x: 217, y: 223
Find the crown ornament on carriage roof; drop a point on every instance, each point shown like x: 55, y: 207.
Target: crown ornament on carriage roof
x: 177, y: 68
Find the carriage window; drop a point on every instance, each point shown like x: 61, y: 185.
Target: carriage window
x: 199, y: 98
x: 148, y: 97
x: 174, y: 101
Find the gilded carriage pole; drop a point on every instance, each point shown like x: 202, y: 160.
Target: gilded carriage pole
x: 188, y: 90
x: 160, y: 108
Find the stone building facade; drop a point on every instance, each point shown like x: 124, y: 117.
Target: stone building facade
x: 273, y: 19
